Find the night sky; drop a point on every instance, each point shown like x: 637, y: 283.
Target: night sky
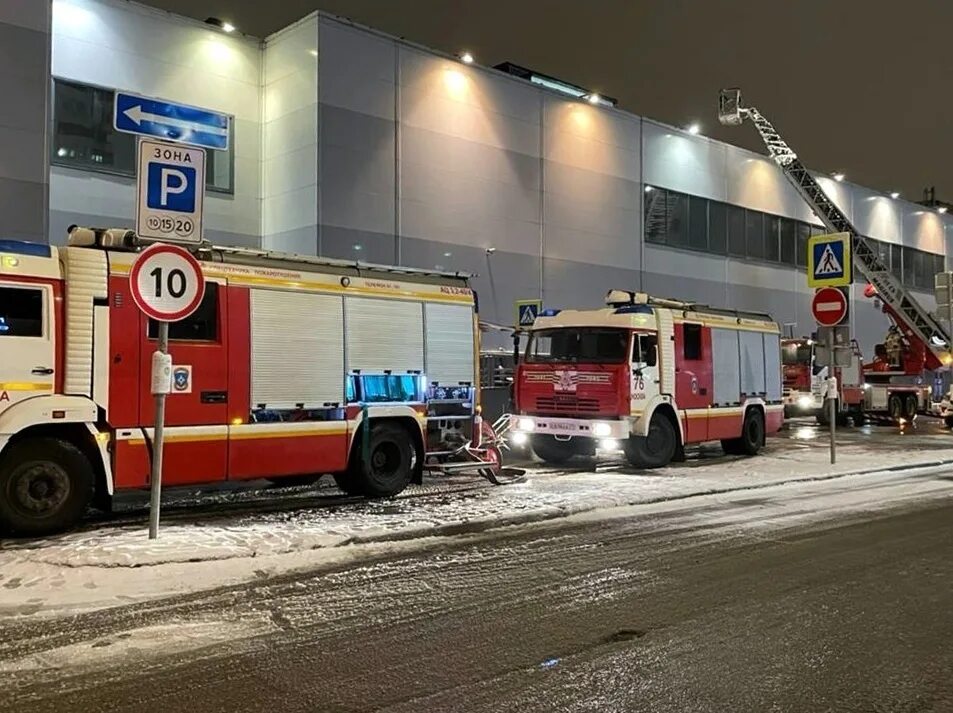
x: 859, y: 86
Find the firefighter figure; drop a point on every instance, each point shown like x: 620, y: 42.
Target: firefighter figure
x: 893, y: 344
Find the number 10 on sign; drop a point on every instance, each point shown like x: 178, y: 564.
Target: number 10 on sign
x: 167, y: 284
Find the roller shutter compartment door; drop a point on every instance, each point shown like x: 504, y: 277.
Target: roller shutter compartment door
x: 449, y: 343
x: 772, y: 362
x: 384, y: 335
x: 297, y: 349
x: 727, y: 373
x: 752, y: 363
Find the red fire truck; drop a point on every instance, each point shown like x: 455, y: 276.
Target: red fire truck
x: 291, y: 367
x: 649, y: 376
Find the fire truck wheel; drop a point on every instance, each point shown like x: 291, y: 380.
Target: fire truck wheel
x: 752, y: 432
x: 391, y: 463
x: 948, y: 420
x: 347, y: 483
x: 657, y: 448
x: 45, y: 486
x: 910, y: 405
x: 895, y: 408
x: 553, y: 451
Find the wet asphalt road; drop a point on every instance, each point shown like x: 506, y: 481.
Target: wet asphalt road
x: 692, y: 609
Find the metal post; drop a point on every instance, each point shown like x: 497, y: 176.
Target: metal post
x: 156, y: 483
x: 831, y: 393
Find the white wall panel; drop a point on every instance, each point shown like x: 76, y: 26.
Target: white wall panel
x: 384, y: 335
x: 364, y: 66
x: 297, y: 349
x: 581, y: 135
x: 876, y: 215
x: 924, y: 229
x: 681, y: 162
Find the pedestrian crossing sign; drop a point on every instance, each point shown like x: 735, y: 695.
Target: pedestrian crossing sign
x: 527, y: 311
x: 828, y: 260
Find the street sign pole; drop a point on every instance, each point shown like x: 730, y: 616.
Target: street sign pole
x: 161, y: 386
x: 831, y: 395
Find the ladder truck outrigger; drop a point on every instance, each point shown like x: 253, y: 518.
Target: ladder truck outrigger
x: 891, y: 384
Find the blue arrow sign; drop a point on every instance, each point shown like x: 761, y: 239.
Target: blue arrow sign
x: 173, y: 122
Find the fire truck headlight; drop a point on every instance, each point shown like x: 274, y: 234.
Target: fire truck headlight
x: 519, y: 438
x: 866, y: 387
x: 608, y: 444
x: 526, y: 424
x: 601, y: 430
x: 805, y: 402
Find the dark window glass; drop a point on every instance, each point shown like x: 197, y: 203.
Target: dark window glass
x: 693, y: 341
x: 698, y: 223
x: 677, y: 219
x: 787, y: 234
x: 803, y: 233
x: 201, y: 326
x: 896, y: 260
x: 939, y: 265
x: 909, y: 267
x: 656, y: 216
x: 736, y: 231
x: 644, y: 349
x: 754, y: 234
x: 717, y: 228
x: 772, y: 229
x: 84, y: 137
x: 21, y: 312
x: 578, y: 344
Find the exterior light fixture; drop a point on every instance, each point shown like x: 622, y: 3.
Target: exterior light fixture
x: 466, y: 57
x: 593, y: 98
x: 895, y: 195
x: 228, y: 27
x: 941, y: 209
x: 694, y: 129
x: 838, y: 176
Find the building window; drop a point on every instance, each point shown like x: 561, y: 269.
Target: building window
x: 803, y: 234
x: 656, y: 215
x: 21, y: 312
x: 200, y: 326
x: 787, y: 237
x: 698, y: 223
x: 736, y: 231
x: 717, y: 228
x: 692, y: 337
x: 84, y: 137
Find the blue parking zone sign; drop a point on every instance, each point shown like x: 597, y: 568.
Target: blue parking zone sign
x: 171, y: 187
x: 829, y: 260
x: 527, y: 311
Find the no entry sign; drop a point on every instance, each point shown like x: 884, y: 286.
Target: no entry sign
x: 829, y: 306
x: 167, y: 283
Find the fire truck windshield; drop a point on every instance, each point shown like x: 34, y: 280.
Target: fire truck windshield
x: 795, y: 353
x: 578, y: 344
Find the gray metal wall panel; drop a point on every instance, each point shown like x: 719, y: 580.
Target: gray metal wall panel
x: 752, y: 363
x: 772, y: 361
x: 725, y: 365
x: 25, y: 47
x: 362, y: 64
x: 569, y: 284
x: 688, y: 164
x: 351, y: 244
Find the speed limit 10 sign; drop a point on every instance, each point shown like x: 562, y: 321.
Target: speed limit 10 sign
x: 167, y: 282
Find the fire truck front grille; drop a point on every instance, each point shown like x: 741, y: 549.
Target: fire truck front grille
x: 546, y: 405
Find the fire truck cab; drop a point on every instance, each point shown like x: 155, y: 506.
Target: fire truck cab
x: 649, y: 376
x: 291, y: 367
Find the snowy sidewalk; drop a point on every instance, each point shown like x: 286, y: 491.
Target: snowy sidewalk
x: 113, y: 565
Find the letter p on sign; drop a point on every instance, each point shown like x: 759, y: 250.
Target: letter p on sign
x: 171, y: 188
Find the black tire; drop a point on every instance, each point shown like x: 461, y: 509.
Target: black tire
x: 655, y: 450
x: 45, y: 486
x: 347, y: 483
x: 752, y: 433
x: 553, y: 451
x: 288, y: 481
x: 895, y: 408
x: 391, y: 463
x: 910, y: 406
x: 858, y: 416
x: 823, y: 415
x: 948, y: 420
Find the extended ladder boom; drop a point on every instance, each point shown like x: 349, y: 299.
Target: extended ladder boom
x: 919, y: 321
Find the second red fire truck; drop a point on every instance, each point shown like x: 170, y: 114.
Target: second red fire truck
x: 649, y: 376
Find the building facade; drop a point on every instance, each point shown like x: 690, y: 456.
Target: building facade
x: 348, y: 143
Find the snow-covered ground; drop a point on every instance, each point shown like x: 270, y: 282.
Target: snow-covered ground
x: 113, y: 565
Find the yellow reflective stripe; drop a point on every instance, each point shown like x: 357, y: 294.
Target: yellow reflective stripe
x: 262, y: 433
x: 25, y: 386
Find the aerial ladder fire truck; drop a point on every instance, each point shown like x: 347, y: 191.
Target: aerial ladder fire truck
x: 890, y: 384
